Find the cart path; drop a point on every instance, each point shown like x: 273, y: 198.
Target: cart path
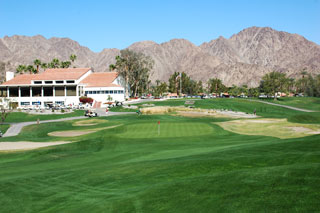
x: 16, y: 128
x: 285, y: 106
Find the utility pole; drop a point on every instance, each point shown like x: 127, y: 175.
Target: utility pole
x: 180, y: 84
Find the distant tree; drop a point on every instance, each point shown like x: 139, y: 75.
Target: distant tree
x: 21, y: 69
x: 73, y: 57
x: 216, y: 86
x: 273, y: 82
x: 31, y: 69
x: 5, y: 111
x: 134, y: 68
x: 55, y: 63
x: 65, y: 64
x: 173, y: 82
x: 37, y: 63
x: 44, y: 66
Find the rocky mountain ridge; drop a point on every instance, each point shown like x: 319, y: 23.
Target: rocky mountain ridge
x: 242, y: 59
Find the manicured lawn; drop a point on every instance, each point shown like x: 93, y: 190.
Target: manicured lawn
x: 4, y: 128
x: 193, y: 166
x: 15, y: 117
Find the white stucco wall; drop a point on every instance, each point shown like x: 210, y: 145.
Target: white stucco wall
x: 104, y: 97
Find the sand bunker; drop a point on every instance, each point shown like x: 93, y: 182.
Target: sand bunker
x: 279, y: 128
x: 74, y: 133
x: 89, y: 122
x: 195, y: 112
x: 26, y: 145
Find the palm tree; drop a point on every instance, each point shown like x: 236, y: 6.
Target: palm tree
x: 112, y: 67
x: 31, y: 69
x: 37, y: 63
x: 21, y: 68
x: 44, y: 66
x: 73, y: 57
x: 65, y: 64
x: 55, y: 63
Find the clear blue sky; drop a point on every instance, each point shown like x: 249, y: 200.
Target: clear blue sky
x: 117, y: 24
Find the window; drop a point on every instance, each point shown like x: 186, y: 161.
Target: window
x: 24, y: 103
x: 59, y: 91
x: 36, y: 91
x: 59, y: 82
x: 94, y: 92
x: 98, y: 92
x: 36, y: 103
x: 107, y: 92
x: 48, y: 91
x: 70, y: 82
x: 71, y: 91
x: 3, y: 92
x: 120, y: 91
x: 116, y: 92
x: 86, y: 92
x: 37, y: 82
x: 61, y: 103
x: 25, y: 91
x: 89, y: 92
x: 102, y: 92
x: 111, y: 91
x: 48, y: 82
x: 13, y: 92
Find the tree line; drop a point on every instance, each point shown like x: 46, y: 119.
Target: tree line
x: 135, y: 68
x: 37, y: 65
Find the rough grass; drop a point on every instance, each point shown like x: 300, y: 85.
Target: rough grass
x: 280, y: 128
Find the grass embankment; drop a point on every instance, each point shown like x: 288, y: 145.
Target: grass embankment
x: 15, y: 117
x: 131, y: 169
x: 121, y: 109
x: 4, y: 128
x: 309, y: 103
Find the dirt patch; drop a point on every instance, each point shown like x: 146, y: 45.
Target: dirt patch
x: 279, y: 128
x: 195, y: 112
x: 265, y: 121
x: 89, y: 122
x: 74, y: 133
x: 299, y: 129
x: 26, y: 145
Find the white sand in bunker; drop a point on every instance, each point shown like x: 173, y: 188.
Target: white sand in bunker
x: 26, y: 145
x: 74, y: 133
x: 195, y: 112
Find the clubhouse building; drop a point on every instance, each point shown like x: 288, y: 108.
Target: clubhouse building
x: 61, y: 87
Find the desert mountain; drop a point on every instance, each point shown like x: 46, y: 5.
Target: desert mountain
x: 242, y: 59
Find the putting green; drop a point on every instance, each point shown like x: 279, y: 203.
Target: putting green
x: 150, y: 130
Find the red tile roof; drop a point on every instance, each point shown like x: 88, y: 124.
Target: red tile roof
x: 20, y: 80
x: 49, y: 74
x: 62, y: 74
x: 101, y: 79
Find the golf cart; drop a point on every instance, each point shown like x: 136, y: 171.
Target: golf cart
x: 90, y: 114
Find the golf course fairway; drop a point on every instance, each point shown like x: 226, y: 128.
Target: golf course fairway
x: 192, y: 165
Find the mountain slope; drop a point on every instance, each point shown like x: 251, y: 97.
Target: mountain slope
x: 242, y: 59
